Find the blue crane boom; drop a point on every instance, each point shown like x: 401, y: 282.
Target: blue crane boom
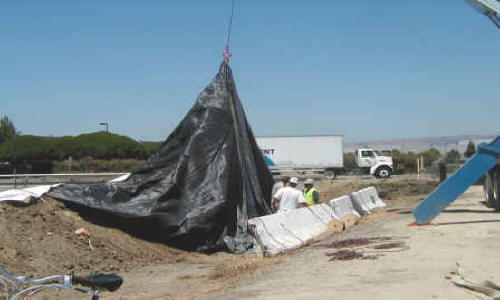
x: 489, y: 8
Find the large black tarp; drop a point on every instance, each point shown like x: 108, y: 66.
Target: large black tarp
x: 198, y: 191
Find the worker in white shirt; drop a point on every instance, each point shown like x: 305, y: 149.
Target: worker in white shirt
x: 289, y: 197
x: 278, y: 185
x: 282, y: 183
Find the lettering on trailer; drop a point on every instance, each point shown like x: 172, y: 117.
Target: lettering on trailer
x: 267, y: 151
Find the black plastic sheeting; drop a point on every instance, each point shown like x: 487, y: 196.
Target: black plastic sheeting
x: 198, y: 191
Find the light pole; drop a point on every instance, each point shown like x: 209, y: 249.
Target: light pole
x: 105, y: 124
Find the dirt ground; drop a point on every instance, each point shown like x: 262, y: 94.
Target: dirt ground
x: 39, y: 239
x: 402, y: 190
x: 465, y: 233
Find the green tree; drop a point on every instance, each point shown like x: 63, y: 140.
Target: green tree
x: 470, y: 150
x: 404, y: 162
x: 452, y: 156
x: 430, y: 156
x: 25, y: 147
x: 7, y: 129
x: 99, y: 145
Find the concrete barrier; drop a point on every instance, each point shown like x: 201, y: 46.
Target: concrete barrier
x: 324, y: 212
x: 278, y: 233
x: 359, y: 204
x: 281, y: 232
x: 270, y: 238
x: 366, y: 195
x: 370, y: 194
x: 343, y: 206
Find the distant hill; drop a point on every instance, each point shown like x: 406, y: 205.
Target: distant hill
x: 442, y: 143
x: 439, y: 139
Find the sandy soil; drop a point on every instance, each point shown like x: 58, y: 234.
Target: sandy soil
x: 39, y: 240
x: 467, y: 232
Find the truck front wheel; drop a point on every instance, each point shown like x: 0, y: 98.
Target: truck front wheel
x: 383, y: 172
x: 330, y: 174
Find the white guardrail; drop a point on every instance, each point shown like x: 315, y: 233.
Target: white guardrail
x: 24, y: 179
x: 37, y: 189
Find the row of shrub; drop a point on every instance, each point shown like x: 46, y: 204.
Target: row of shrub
x: 99, y: 145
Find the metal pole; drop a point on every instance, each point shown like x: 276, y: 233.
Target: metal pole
x: 418, y: 167
x: 105, y: 124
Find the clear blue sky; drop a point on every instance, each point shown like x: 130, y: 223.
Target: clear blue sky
x: 364, y: 69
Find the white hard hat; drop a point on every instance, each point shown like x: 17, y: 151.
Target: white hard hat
x: 294, y: 180
x: 309, y: 181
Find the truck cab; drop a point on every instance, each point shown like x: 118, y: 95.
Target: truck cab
x: 370, y: 162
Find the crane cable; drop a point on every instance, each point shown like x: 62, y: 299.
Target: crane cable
x: 227, y: 55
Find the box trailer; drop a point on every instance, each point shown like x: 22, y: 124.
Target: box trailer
x: 305, y: 154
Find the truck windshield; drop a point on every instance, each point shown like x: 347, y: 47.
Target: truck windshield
x: 367, y: 153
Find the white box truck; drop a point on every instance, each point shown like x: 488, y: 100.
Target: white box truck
x: 305, y: 154
x: 318, y: 154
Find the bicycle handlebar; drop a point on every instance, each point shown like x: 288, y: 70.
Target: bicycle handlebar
x: 110, y: 282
